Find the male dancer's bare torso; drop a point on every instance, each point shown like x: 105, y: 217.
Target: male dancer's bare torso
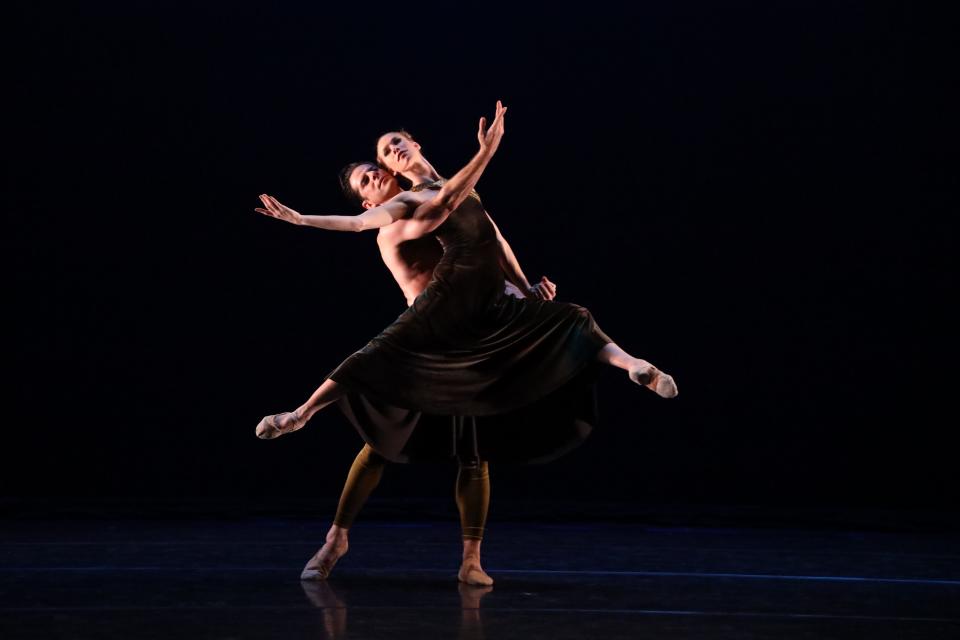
x: 411, y: 262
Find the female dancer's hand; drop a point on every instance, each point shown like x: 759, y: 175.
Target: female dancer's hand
x: 276, y: 210
x: 543, y: 290
x: 490, y: 139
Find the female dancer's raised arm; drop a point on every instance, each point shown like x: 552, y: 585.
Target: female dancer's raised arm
x: 431, y: 213
x: 460, y: 185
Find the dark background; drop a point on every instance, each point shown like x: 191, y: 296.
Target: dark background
x: 752, y: 195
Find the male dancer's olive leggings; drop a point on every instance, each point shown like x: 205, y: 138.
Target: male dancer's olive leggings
x: 473, y: 491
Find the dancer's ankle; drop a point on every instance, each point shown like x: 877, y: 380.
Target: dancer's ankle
x: 642, y: 371
x: 471, y: 550
x: 337, y: 534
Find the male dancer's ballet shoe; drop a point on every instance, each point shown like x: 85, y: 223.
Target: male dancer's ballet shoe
x: 657, y: 381
x: 473, y: 575
x: 321, y: 564
x: 278, y: 424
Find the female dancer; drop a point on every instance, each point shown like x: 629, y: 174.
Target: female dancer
x: 463, y: 347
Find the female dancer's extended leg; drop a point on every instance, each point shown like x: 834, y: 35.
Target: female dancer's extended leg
x: 281, y: 423
x: 640, y: 371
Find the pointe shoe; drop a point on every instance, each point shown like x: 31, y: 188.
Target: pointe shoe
x: 657, y: 381
x: 474, y: 576
x: 320, y: 565
x: 274, y: 426
x: 664, y: 386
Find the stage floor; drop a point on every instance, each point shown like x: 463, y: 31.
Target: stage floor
x: 192, y: 578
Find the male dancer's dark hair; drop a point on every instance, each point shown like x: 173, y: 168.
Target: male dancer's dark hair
x: 344, y: 176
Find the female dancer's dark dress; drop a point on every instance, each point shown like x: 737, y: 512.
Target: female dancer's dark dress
x: 464, y: 348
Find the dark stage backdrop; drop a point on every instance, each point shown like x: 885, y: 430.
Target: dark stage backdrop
x: 752, y: 195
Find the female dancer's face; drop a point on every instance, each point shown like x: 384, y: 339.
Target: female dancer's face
x: 397, y: 152
x: 373, y: 184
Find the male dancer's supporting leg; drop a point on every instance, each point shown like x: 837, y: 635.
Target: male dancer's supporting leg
x: 473, y: 499
x: 363, y: 478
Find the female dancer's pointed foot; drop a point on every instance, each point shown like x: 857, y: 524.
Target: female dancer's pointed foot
x: 278, y: 424
x: 665, y: 385
x: 652, y: 378
x: 321, y: 564
x: 473, y: 574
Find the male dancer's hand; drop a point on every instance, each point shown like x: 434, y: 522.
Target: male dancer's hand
x: 490, y: 139
x: 276, y: 210
x: 543, y: 290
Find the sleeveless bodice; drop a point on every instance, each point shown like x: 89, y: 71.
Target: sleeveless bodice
x: 470, y: 258
x: 468, y: 225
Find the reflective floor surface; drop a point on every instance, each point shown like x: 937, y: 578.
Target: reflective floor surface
x: 240, y: 579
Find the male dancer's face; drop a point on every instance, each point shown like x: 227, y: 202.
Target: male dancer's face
x: 397, y: 152
x: 373, y: 184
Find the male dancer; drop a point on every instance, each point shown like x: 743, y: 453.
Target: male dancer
x: 411, y: 262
